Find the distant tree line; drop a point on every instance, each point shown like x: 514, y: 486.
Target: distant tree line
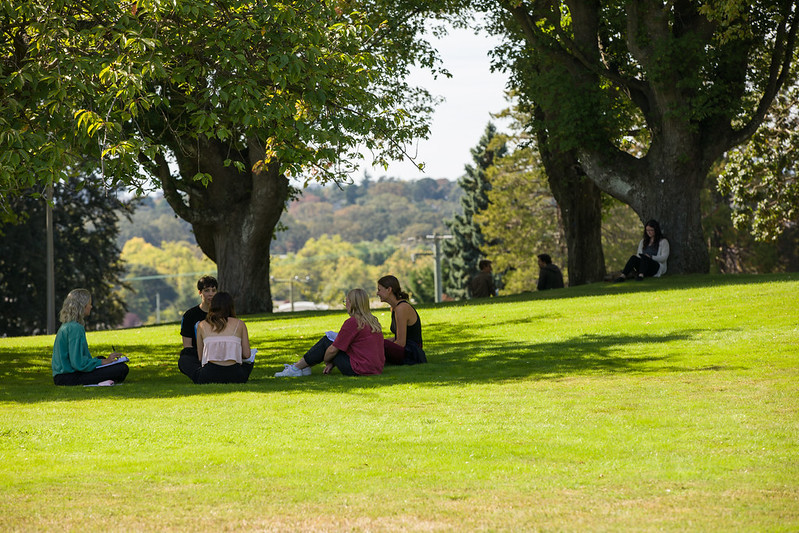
x: 369, y: 211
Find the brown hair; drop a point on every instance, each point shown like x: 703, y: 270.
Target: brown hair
x: 391, y: 282
x: 207, y: 281
x: 221, y: 309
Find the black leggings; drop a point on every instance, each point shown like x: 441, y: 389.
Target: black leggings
x: 316, y: 355
x: 213, y: 373
x: 642, y: 265
x: 117, y: 372
x: 190, y: 365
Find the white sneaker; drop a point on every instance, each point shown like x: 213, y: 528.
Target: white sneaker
x: 106, y: 383
x: 290, y: 371
x: 305, y: 371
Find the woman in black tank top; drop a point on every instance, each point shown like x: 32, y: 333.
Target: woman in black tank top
x: 406, y: 325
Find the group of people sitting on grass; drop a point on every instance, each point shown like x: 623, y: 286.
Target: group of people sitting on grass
x: 216, y: 344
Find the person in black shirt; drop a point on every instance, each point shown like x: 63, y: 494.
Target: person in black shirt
x: 189, y: 361
x: 550, y: 276
x: 406, y: 325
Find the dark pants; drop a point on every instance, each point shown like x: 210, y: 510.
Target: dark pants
x: 190, y: 364
x: 642, y: 265
x: 410, y: 354
x: 117, y: 372
x: 213, y: 373
x: 316, y: 355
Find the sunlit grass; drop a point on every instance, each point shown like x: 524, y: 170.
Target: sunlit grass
x: 669, y: 404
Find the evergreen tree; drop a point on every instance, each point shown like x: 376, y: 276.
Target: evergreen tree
x: 463, y: 251
x: 85, y: 228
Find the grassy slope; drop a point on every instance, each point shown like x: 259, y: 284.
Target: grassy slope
x: 669, y: 404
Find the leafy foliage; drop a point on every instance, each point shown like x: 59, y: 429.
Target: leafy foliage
x: 760, y: 177
x: 297, y: 76
x: 464, y: 251
x: 84, y: 232
x: 170, y: 270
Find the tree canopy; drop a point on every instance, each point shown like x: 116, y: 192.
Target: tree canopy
x: 303, y: 80
x: 85, y: 222
x: 299, y: 88
x: 649, y: 94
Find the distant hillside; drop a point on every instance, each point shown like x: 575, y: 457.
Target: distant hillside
x: 155, y: 222
x: 369, y: 211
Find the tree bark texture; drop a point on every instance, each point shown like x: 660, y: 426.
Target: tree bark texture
x: 580, y: 203
x: 233, y: 218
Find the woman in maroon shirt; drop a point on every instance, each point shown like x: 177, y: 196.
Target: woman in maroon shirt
x: 356, y: 350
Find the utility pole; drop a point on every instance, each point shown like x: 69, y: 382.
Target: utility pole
x: 50, y: 262
x: 437, y: 257
x: 291, y: 281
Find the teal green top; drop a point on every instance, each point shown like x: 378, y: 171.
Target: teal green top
x: 71, y: 351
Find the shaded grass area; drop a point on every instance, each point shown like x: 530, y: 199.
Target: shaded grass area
x: 669, y: 404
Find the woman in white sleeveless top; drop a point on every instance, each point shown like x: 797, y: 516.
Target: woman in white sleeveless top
x: 223, y: 344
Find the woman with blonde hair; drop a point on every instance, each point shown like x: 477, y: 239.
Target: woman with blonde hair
x: 356, y: 350
x: 223, y: 345
x: 72, y: 363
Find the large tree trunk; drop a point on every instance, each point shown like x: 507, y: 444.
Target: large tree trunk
x: 662, y: 188
x: 233, y: 218
x: 580, y: 203
x: 696, y: 93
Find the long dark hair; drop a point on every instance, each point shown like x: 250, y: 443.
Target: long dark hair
x: 658, y: 234
x: 221, y: 309
x: 391, y: 282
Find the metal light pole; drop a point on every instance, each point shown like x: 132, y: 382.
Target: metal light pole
x: 50, y: 263
x: 437, y: 257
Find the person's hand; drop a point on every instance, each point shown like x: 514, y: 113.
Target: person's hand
x: 328, y: 368
x: 111, y: 358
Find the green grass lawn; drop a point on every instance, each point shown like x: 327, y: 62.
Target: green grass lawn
x: 671, y: 404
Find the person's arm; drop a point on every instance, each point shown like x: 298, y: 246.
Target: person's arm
x: 200, y: 334
x: 663, y: 251
x: 79, y: 356
x: 640, y: 247
x: 188, y: 328
x: 330, y: 353
x: 245, y: 341
x: 403, y: 315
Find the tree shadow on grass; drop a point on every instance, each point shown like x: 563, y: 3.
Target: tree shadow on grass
x: 453, y: 361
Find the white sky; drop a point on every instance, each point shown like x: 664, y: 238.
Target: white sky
x: 472, y: 93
